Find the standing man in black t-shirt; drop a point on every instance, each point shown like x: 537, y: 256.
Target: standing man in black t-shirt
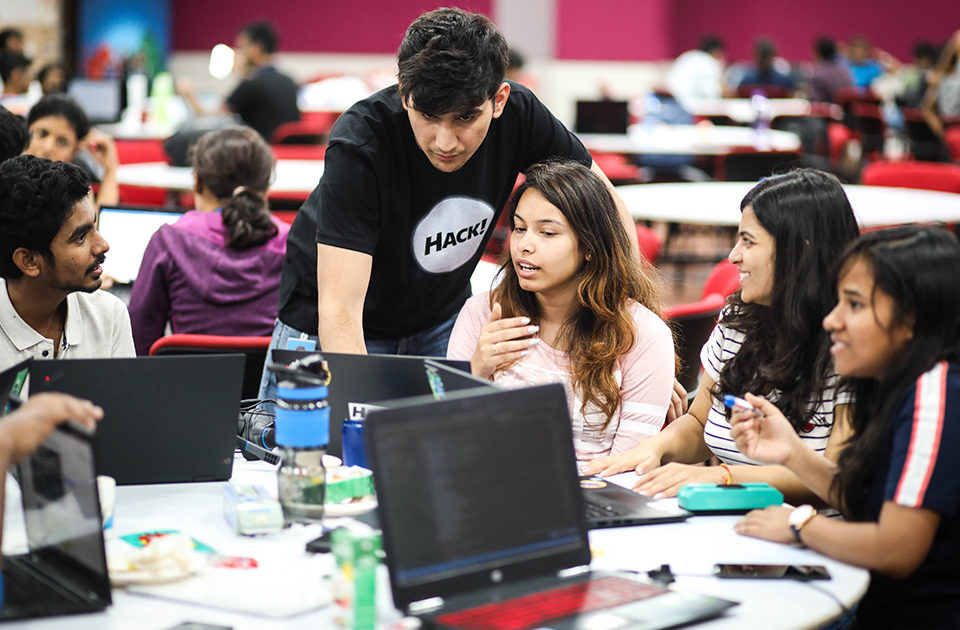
x: 415, y: 177
x: 265, y: 98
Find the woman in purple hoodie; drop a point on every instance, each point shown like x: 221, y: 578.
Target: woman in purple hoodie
x: 216, y: 270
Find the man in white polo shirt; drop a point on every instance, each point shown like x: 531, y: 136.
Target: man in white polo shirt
x: 50, y: 267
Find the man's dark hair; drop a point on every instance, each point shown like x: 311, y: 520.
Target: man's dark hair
x: 711, y: 43
x: 10, y: 61
x: 64, y: 106
x: 50, y: 67
x: 826, y: 48
x: 9, y: 33
x: 924, y: 49
x: 36, y: 197
x: 451, y: 60
x: 263, y: 33
x: 13, y: 134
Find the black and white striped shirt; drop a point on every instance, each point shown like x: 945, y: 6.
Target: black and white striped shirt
x: 722, y: 345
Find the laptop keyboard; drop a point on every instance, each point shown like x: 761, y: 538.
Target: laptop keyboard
x: 601, y: 510
x: 531, y: 611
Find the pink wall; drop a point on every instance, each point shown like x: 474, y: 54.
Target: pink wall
x: 339, y: 26
x: 893, y: 26
x: 613, y: 29
x: 632, y: 30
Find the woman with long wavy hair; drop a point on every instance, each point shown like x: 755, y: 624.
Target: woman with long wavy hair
x: 769, y: 341
x: 574, y: 306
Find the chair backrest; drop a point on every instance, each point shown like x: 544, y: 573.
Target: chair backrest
x: 308, y: 132
x: 926, y: 175
x: 770, y: 91
x: 924, y: 143
x: 723, y: 280
x: 650, y: 244
x: 750, y: 166
x: 254, y: 350
x: 693, y: 324
x: 136, y: 152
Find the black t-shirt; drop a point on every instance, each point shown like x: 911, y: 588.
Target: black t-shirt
x: 265, y: 101
x: 425, y: 229
x: 920, y: 468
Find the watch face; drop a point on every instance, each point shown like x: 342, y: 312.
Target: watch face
x: 801, y: 515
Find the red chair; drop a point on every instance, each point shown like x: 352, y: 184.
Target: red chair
x: 299, y: 151
x: 693, y: 324
x: 309, y: 131
x: 618, y: 168
x: 136, y: 152
x: 287, y: 216
x: 723, y: 280
x: 868, y: 124
x: 770, y: 91
x: 254, y: 350
x: 925, y: 175
x: 952, y: 139
x: 650, y: 244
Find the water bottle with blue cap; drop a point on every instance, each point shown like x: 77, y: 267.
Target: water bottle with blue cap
x: 302, y: 432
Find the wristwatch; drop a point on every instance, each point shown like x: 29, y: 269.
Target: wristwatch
x: 798, y: 518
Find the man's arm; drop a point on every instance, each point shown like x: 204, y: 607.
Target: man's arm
x: 343, y: 276
x: 628, y: 223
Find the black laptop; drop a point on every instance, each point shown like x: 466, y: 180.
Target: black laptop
x: 359, y: 380
x: 166, y: 419
x: 65, y: 571
x: 11, y: 381
x: 606, y: 116
x: 483, y: 525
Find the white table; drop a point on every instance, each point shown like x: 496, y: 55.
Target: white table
x: 741, y: 110
x: 700, y: 139
x: 292, y: 176
x: 718, y: 203
x: 690, y: 548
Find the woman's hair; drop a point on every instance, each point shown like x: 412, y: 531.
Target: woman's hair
x: 235, y: 164
x: 63, y: 106
x: 917, y: 267
x: 784, y: 346
x: 602, y: 329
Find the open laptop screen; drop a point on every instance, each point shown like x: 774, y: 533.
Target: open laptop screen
x: 128, y: 230
x: 60, y: 501
x: 602, y: 117
x: 100, y: 99
x: 477, y: 483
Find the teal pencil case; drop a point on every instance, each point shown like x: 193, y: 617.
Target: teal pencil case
x: 710, y: 498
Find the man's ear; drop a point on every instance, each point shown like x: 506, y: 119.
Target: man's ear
x: 197, y: 185
x: 500, y: 99
x: 28, y: 261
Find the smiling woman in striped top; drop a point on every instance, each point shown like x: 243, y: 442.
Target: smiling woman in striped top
x: 769, y: 341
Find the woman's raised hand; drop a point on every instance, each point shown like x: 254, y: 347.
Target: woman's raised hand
x: 502, y: 341
x: 763, y: 433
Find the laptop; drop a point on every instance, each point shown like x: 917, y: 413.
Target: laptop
x: 128, y: 230
x: 483, y: 526
x: 65, y: 570
x: 168, y: 419
x: 99, y: 98
x: 11, y: 382
x: 357, y: 381
x: 602, y: 117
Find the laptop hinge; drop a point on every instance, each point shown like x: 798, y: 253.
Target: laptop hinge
x: 425, y: 606
x: 572, y: 571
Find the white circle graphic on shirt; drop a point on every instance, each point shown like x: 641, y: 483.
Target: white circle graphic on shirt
x: 450, y: 234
